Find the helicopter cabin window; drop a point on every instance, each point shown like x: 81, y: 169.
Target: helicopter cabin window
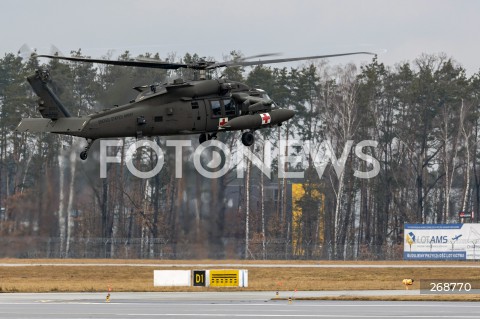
x: 216, y: 108
x: 230, y: 107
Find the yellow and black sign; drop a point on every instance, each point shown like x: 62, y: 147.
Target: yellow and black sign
x: 199, y: 277
x: 224, y: 278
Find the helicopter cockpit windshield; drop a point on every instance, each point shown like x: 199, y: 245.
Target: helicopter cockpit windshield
x: 262, y: 94
x: 265, y: 96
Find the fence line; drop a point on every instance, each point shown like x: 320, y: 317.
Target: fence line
x: 162, y: 248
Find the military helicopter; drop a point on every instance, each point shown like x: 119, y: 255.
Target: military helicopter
x: 201, y: 106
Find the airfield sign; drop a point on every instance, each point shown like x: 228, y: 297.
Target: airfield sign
x: 441, y: 242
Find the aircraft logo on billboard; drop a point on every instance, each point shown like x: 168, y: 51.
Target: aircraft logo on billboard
x: 410, y: 239
x: 456, y: 237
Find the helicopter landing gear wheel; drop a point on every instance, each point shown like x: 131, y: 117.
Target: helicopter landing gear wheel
x: 248, y: 139
x: 203, y: 138
x: 84, y: 153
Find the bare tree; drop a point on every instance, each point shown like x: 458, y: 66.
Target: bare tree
x: 340, y: 120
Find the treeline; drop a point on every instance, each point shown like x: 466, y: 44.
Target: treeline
x: 423, y: 116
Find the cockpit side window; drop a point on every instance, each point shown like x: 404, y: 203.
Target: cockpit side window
x: 223, y: 108
x: 230, y: 107
x: 216, y: 108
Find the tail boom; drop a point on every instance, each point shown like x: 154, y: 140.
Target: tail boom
x: 66, y: 125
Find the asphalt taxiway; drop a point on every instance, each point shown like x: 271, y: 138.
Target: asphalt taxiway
x: 244, y: 265
x: 218, y: 305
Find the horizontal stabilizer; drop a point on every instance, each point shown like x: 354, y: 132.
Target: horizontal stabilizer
x: 62, y: 125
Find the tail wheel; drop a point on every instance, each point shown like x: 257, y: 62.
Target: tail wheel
x: 83, y: 155
x: 248, y: 139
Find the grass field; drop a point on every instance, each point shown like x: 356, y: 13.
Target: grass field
x: 41, y: 276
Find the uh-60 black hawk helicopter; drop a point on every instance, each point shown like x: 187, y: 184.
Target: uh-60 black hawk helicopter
x: 200, y: 106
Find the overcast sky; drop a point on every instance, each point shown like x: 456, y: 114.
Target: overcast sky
x: 397, y: 30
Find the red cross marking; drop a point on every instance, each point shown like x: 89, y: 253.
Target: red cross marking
x: 223, y: 121
x: 265, y: 118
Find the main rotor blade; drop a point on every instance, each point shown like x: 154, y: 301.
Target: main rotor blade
x: 259, y: 56
x: 152, y: 63
x: 236, y: 62
x: 247, y: 63
x: 137, y: 63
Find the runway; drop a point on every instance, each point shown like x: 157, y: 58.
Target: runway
x: 242, y: 265
x: 217, y: 305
